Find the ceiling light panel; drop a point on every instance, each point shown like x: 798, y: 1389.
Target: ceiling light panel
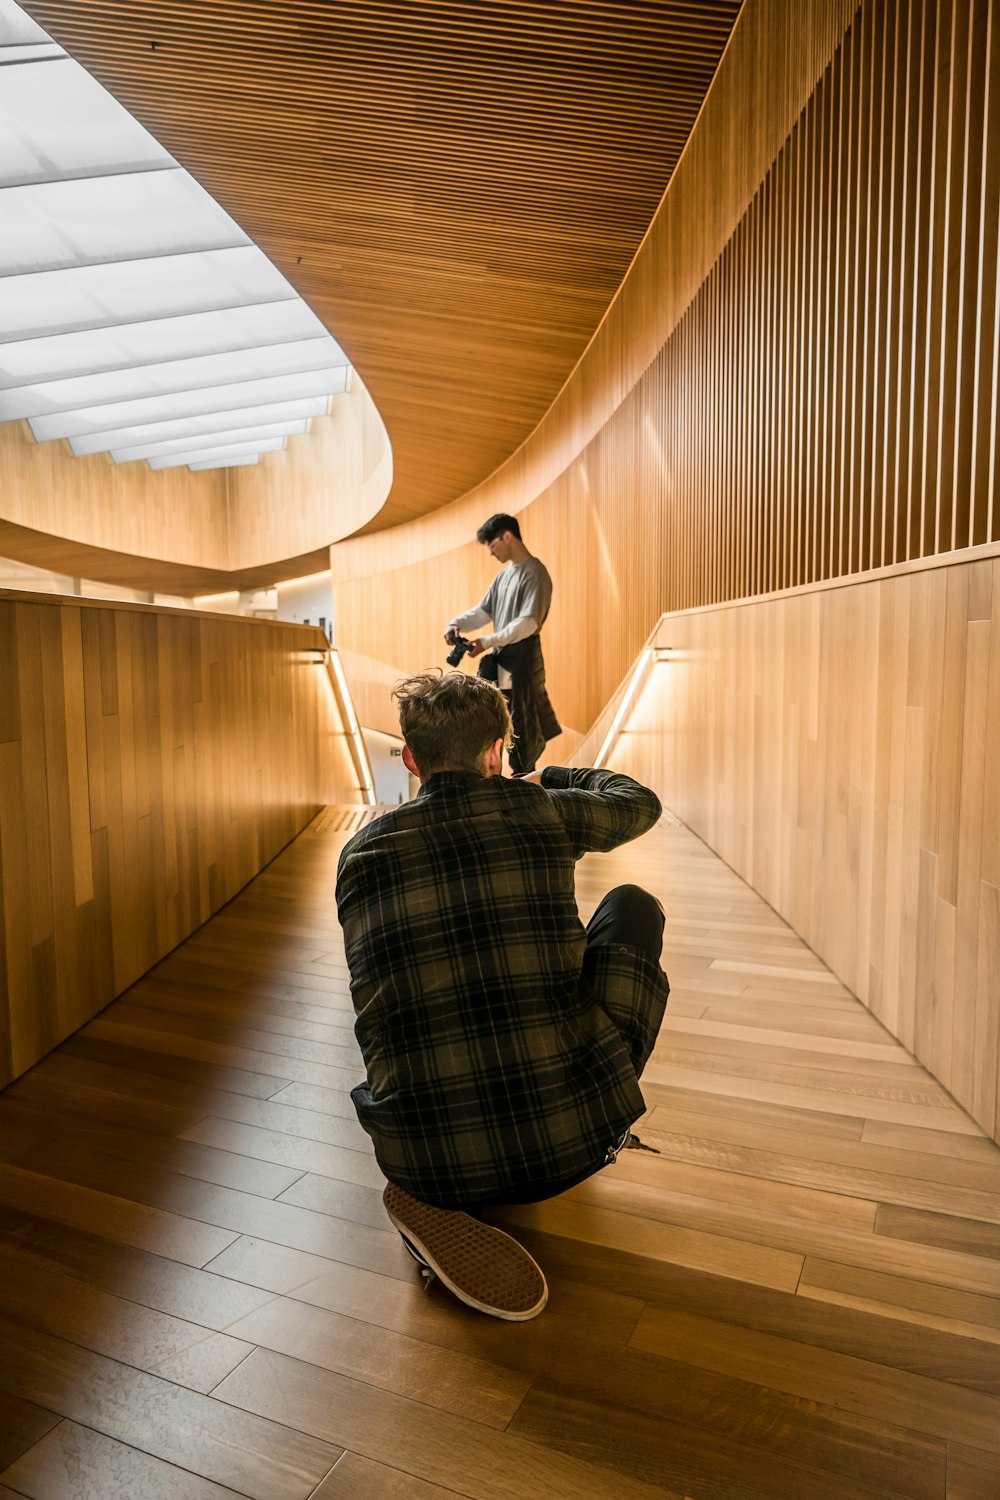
x: 55, y: 224
x: 226, y: 463
x: 88, y: 297
x: 247, y: 437
x: 64, y: 356
x: 56, y: 121
x: 189, y: 403
x: 31, y: 52
x: 291, y: 412
x: 173, y: 376
x: 203, y: 455
x: 17, y: 29
x: 134, y: 312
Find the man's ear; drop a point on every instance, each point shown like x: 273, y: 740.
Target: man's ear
x: 494, y: 759
x: 409, y: 762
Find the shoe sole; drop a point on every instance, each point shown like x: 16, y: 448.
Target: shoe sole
x: 485, y: 1268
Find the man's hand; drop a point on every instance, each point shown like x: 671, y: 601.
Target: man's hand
x: 477, y: 647
x: 451, y: 635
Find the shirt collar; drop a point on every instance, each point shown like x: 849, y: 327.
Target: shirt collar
x: 444, y: 780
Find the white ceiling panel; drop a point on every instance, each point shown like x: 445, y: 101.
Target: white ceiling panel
x: 203, y: 455
x: 67, y: 355
x: 226, y: 463
x: 86, y: 297
x: 55, y: 224
x: 56, y: 121
x: 190, y: 403
x: 174, y: 375
x: 30, y: 52
x: 136, y: 317
x: 218, y: 439
x: 17, y: 29
x: 289, y: 412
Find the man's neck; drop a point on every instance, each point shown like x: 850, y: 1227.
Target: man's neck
x: 518, y: 553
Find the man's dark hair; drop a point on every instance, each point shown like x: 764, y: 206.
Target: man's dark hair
x: 496, y: 526
x: 451, y: 719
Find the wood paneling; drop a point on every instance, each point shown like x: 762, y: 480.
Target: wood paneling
x: 177, y: 532
x: 776, y: 54
x: 834, y: 746
x: 821, y: 400
x: 151, y: 762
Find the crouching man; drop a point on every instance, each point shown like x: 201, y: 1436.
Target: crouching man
x: 503, y: 1041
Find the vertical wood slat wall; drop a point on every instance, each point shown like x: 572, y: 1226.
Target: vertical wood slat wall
x: 151, y: 763
x: 837, y: 747
x: 827, y: 403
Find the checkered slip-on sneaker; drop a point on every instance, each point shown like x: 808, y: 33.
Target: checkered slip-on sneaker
x: 484, y: 1267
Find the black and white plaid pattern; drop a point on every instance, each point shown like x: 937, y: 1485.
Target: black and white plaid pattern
x: 492, y: 1063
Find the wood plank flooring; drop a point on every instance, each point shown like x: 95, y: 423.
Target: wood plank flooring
x: 200, y: 1295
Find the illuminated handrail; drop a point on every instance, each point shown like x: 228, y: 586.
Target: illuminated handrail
x: 356, y: 740
x: 649, y: 656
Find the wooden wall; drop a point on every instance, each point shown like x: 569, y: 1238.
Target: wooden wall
x: 174, y: 531
x: 838, y: 748
x: 151, y: 763
x: 778, y: 51
x: 825, y: 399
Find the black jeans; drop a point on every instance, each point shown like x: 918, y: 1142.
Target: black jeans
x: 517, y: 760
x: 631, y: 919
x: 629, y: 916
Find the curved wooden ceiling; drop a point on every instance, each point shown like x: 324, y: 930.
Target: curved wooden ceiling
x: 456, y: 187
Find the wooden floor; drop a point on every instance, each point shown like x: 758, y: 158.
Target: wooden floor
x: 799, y: 1299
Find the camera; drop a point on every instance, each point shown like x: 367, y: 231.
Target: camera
x: 458, y: 649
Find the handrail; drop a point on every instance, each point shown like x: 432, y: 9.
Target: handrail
x: 356, y: 740
x: 614, y: 716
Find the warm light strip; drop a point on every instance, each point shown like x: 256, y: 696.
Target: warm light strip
x: 359, y: 749
x: 215, y: 598
x: 634, y: 683
x: 290, y: 583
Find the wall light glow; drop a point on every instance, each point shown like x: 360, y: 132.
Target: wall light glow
x: 291, y: 583
x: 647, y: 658
x: 359, y: 750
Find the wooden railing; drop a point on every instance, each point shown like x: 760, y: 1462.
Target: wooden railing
x: 152, y: 761
x: 836, y: 746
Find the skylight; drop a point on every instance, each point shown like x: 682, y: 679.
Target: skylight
x: 136, y: 317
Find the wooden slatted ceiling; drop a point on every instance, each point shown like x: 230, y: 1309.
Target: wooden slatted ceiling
x: 457, y: 189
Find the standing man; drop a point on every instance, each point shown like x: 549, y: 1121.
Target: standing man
x: 517, y: 602
x: 503, y: 1042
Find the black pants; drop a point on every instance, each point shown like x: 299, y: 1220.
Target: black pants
x: 520, y: 763
x: 631, y: 916
x: 631, y: 919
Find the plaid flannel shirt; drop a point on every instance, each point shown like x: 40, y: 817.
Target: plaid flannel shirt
x: 492, y: 1066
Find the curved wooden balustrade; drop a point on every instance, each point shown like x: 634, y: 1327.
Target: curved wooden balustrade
x: 152, y: 761
x: 834, y: 746
x: 177, y: 532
